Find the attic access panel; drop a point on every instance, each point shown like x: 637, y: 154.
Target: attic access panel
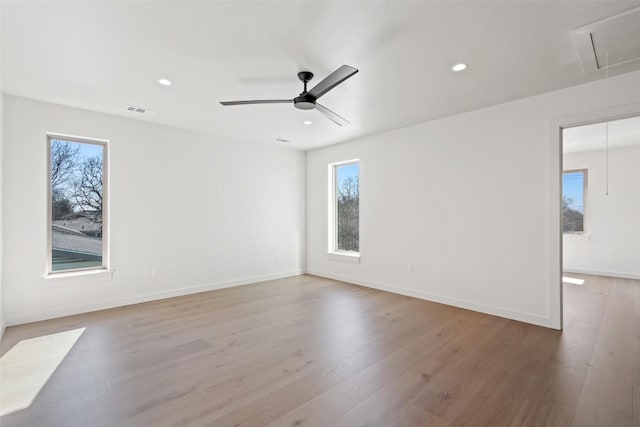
x: 611, y: 41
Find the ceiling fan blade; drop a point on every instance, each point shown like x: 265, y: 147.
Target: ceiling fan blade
x: 332, y: 80
x: 339, y: 120
x: 258, y: 101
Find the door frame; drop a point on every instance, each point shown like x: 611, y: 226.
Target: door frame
x: 556, y: 127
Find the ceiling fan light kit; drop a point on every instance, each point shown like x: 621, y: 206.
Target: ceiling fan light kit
x: 307, y: 100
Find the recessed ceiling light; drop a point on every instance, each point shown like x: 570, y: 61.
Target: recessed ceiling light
x: 165, y: 82
x: 459, y: 67
x: 307, y: 122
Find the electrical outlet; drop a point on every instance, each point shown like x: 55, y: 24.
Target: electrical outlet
x: 410, y: 268
x: 276, y: 257
x: 154, y: 270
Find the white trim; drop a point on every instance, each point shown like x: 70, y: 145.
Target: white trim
x: 78, y: 276
x: 76, y: 138
x: 332, y: 230
x: 428, y: 296
x: 555, y: 232
x: 620, y: 274
x: 106, y: 258
x: 331, y: 206
x: 353, y: 257
x: 3, y: 325
x: 555, y: 236
x: 344, y: 162
x: 587, y: 235
x: 120, y: 302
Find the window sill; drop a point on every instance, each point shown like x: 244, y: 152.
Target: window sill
x: 353, y: 257
x: 587, y: 235
x: 84, y: 275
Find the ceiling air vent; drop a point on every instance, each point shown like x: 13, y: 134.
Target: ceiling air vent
x: 140, y: 110
x: 609, y: 42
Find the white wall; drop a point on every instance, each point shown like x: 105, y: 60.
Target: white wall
x: 2, y: 319
x: 471, y: 200
x: 611, y: 245
x: 2, y: 316
x: 209, y: 213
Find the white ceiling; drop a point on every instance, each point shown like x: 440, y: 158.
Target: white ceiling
x: 621, y: 133
x: 103, y: 55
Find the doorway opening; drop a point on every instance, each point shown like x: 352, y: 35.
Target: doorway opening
x: 600, y: 211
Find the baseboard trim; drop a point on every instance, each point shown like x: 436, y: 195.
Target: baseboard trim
x: 468, y: 305
x: 620, y: 274
x: 155, y: 296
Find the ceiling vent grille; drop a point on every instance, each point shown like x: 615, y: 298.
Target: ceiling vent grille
x: 140, y: 110
x: 136, y: 109
x: 609, y: 42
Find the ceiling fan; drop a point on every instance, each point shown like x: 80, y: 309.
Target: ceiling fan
x: 307, y: 99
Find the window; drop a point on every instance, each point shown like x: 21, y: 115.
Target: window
x: 574, y: 189
x: 77, y: 204
x: 344, y: 224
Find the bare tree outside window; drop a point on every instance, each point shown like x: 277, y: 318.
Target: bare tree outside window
x: 572, y: 219
x: 76, y: 179
x: 347, y: 205
x: 86, y: 188
x: 574, y: 184
x: 64, y: 160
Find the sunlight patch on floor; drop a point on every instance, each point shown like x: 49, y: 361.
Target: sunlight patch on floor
x: 27, y: 367
x: 572, y: 280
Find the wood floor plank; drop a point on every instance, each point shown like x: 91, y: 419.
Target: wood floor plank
x: 456, y: 386
x: 388, y: 401
x: 308, y: 351
x: 602, y: 400
x: 186, y: 377
x: 415, y: 416
x: 337, y: 401
x: 389, y: 333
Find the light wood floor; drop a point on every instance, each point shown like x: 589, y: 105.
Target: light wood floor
x: 306, y: 351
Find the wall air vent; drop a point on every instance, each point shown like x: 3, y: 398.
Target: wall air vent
x: 612, y: 41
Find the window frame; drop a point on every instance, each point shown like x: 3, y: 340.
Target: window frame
x: 585, y: 172
x: 49, y: 272
x: 332, y: 250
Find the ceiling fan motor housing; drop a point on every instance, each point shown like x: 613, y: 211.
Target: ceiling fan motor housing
x: 304, y: 102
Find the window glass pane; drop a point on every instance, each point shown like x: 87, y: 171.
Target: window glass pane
x: 573, y: 201
x: 76, y: 205
x: 347, y: 207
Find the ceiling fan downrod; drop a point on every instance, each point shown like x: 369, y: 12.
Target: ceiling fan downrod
x: 305, y: 77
